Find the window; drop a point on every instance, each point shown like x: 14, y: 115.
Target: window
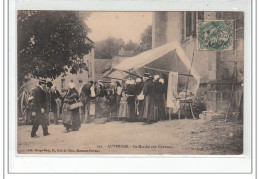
x: 190, y: 23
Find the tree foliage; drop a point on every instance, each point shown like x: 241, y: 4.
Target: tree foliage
x: 107, y: 49
x: 146, y: 39
x: 131, y: 46
x: 50, y: 43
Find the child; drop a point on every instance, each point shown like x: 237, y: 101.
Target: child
x: 123, y: 108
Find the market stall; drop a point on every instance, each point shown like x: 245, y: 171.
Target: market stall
x: 163, y: 60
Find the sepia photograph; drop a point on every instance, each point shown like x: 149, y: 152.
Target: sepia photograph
x: 130, y: 82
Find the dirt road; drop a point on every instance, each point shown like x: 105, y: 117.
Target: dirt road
x: 167, y: 137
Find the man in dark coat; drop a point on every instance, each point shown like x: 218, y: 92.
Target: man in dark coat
x: 149, y: 95
x: 51, y: 103
x: 159, y: 98
x: 40, y: 107
x: 85, y: 99
x: 52, y: 95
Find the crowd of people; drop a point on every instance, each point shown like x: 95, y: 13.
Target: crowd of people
x: 45, y: 108
x: 142, y: 99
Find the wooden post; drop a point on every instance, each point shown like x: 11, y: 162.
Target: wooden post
x: 191, y: 110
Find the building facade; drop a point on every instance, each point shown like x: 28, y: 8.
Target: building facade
x: 221, y: 72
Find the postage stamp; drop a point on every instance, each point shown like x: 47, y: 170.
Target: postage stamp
x: 216, y: 35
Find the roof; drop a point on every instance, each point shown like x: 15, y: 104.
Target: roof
x: 125, y: 53
x: 101, y: 66
x: 115, y: 74
x: 117, y: 60
x: 91, y: 41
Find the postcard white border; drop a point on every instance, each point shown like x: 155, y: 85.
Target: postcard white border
x: 133, y: 163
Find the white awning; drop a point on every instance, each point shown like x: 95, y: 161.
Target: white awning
x: 115, y: 74
x: 136, y: 62
x: 139, y: 62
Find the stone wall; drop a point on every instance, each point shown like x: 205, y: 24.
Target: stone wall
x: 159, y: 27
x: 230, y: 66
x: 221, y: 71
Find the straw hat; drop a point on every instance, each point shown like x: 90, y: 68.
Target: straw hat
x: 148, y: 75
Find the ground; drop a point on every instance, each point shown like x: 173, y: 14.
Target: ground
x: 200, y: 137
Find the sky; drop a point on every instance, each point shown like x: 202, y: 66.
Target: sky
x: 124, y: 25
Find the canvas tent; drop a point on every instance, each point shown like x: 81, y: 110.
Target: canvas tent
x: 168, y: 57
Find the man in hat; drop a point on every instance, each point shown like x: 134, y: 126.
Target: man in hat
x: 40, y: 107
x: 51, y: 101
x: 146, y: 77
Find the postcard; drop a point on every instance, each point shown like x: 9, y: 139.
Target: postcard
x: 166, y: 82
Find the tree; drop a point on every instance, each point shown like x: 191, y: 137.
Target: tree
x: 146, y: 39
x: 50, y: 43
x: 131, y: 46
x: 107, y: 49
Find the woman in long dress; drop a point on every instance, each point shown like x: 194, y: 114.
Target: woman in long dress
x: 160, y: 99
x: 124, y: 108
x: 130, y: 91
x: 118, y: 93
x: 71, y: 118
x: 149, y: 96
x: 100, y: 99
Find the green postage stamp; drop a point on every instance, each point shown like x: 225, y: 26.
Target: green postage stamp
x: 216, y: 35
